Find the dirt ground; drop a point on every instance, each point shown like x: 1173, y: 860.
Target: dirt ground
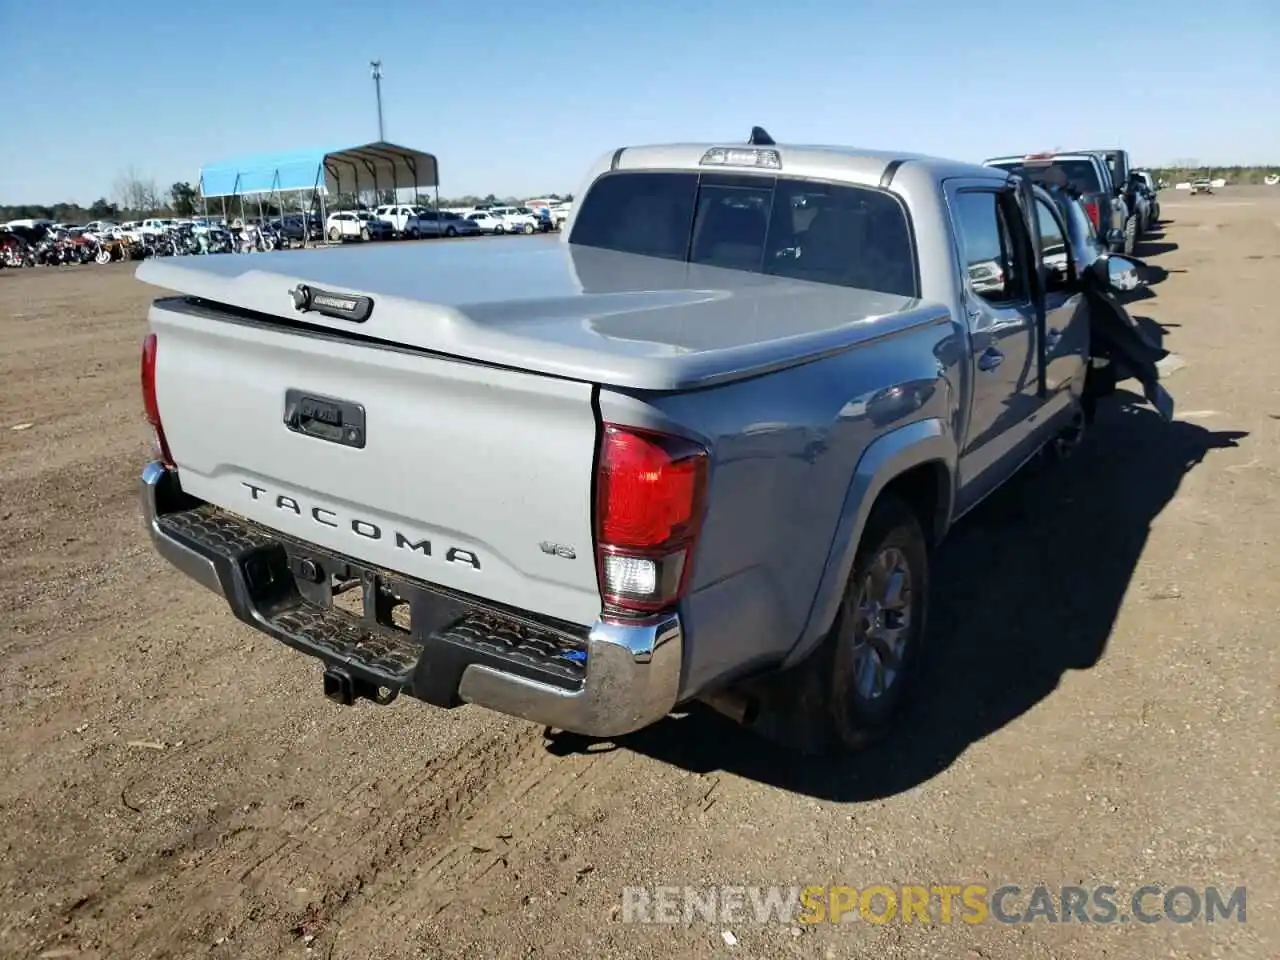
x: 1100, y: 706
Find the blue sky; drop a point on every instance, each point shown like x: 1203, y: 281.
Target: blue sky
x: 517, y: 98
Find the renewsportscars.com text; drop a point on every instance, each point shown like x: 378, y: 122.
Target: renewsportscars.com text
x: 971, y: 903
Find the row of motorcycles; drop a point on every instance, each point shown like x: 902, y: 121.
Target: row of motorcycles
x: 31, y: 247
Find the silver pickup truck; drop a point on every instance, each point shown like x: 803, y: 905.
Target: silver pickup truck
x: 699, y: 446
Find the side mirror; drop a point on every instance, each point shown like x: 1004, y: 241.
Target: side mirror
x: 1123, y: 274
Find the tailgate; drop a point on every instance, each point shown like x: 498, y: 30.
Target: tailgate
x: 465, y: 473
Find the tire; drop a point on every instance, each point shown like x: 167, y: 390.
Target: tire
x: 103, y: 256
x: 335, y: 234
x: 451, y: 232
x: 1130, y: 234
x: 834, y: 709
x: 364, y: 234
x: 499, y: 230
x: 528, y: 229
x: 414, y: 234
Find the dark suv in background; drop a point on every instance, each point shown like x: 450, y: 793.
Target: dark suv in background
x: 298, y: 227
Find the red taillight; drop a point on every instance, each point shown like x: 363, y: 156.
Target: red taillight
x: 1091, y: 208
x: 149, y: 402
x: 650, y: 493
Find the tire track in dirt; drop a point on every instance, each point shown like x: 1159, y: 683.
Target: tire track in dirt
x: 510, y: 823
x: 255, y: 890
x: 239, y: 883
x: 426, y: 861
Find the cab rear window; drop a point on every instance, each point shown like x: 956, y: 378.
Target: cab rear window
x: 840, y: 234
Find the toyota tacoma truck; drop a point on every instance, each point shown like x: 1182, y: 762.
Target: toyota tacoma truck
x: 699, y: 446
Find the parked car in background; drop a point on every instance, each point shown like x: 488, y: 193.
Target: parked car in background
x: 154, y: 226
x: 515, y: 219
x: 404, y: 221
x: 486, y: 222
x: 356, y: 225
x: 456, y: 225
x: 1126, y: 186
x: 299, y: 228
x: 1152, y: 188
x: 560, y: 214
x: 29, y: 223
x: 1089, y: 175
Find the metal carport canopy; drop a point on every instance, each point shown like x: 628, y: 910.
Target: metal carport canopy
x: 370, y: 166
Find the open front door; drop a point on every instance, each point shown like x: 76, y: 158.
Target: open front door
x: 1026, y: 200
x: 1116, y: 337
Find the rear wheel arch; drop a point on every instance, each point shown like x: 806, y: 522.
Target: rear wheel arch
x: 926, y: 489
x: 916, y: 464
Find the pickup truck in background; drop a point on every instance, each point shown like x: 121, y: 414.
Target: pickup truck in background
x: 1128, y: 187
x: 699, y: 446
x: 1086, y: 172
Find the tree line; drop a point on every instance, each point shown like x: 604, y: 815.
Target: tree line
x: 135, y: 197
x: 1240, y: 176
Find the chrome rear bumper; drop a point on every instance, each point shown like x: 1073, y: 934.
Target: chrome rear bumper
x: 627, y: 676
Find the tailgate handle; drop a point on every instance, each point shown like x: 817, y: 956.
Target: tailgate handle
x: 325, y: 418
x: 340, y: 306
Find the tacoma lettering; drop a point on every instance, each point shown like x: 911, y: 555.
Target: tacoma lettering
x: 365, y: 529
x: 404, y: 543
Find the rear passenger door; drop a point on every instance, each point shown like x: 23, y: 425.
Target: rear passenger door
x: 996, y: 276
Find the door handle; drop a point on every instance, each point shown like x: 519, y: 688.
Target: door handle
x: 990, y: 359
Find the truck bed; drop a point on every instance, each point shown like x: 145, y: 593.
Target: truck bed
x: 553, y: 308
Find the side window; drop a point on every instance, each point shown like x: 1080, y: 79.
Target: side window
x: 1054, y: 249
x: 995, y: 269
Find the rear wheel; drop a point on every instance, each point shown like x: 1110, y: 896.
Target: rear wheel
x: 848, y: 692
x: 499, y: 229
x: 451, y: 232
x: 335, y: 234
x: 103, y: 255
x: 413, y: 233
x: 1131, y: 234
x: 364, y: 234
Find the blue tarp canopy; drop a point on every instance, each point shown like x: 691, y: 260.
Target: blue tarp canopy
x: 373, y: 166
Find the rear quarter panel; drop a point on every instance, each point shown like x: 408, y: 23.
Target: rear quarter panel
x: 785, y: 449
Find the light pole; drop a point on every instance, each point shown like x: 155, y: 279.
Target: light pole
x: 377, y: 87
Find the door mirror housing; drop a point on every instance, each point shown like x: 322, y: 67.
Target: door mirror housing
x: 1123, y: 274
